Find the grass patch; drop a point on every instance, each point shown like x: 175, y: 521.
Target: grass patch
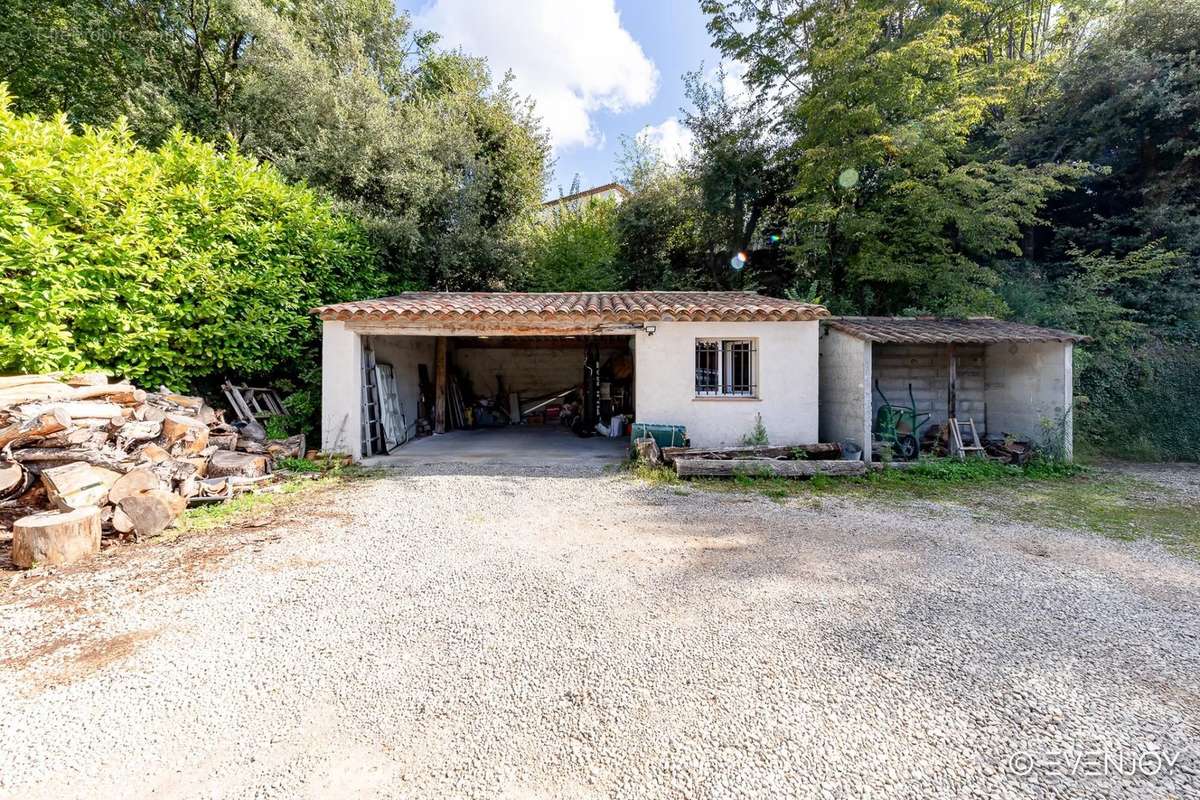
x: 660, y: 475
x: 1044, y: 493
x: 1115, y: 506
x: 299, y: 465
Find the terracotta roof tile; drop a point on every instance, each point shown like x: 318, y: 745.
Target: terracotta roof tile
x: 582, y: 307
x: 940, y: 330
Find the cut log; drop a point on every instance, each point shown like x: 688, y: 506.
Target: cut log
x: 95, y: 423
x: 139, y: 432
x: 150, y: 413
x: 106, y: 457
x: 13, y: 381
x: 725, y: 468
x: 291, y: 447
x: 200, y: 463
x: 823, y: 450
x: 77, y: 485
x: 13, y: 478
x: 87, y: 379
x: 120, y: 521
x: 56, y: 537
x: 153, y: 511
x: 188, y: 433
x: 223, y: 441
x: 154, y: 453
x: 133, y: 482
x: 122, y: 393
x: 207, y: 415
x: 76, y: 409
x: 33, y: 392
x: 648, y: 452
x: 52, y: 421
x: 184, y: 401
x: 225, y: 463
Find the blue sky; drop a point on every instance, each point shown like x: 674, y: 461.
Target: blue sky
x: 598, y: 69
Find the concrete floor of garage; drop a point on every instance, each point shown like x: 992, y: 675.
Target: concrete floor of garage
x: 516, y: 445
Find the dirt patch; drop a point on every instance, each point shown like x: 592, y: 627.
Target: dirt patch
x: 39, y: 652
x: 98, y: 654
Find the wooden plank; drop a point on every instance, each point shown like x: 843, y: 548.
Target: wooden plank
x: 703, y: 467
x: 823, y: 450
x: 439, y: 369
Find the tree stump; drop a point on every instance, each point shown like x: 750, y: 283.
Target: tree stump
x: 56, y: 537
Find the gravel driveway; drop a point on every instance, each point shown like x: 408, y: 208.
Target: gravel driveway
x: 584, y: 635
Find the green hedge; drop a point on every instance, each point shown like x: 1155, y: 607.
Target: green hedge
x: 170, y: 266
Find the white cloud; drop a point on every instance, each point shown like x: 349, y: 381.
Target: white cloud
x: 572, y: 56
x: 734, y: 84
x: 672, y: 140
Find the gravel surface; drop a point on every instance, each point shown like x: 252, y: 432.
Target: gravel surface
x: 573, y: 634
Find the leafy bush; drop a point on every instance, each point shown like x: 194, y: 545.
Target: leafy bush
x: 164, y: 266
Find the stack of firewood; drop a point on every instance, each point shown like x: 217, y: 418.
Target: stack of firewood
x: 85, y: 447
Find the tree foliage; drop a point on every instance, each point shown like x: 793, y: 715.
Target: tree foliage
x: 574, y: 249
x: 167, y: 265
x: 442, y: 163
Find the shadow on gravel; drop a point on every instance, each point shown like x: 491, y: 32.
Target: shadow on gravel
x: 1045, y: 653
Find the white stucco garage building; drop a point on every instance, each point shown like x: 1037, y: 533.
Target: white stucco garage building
x: 710, y: 361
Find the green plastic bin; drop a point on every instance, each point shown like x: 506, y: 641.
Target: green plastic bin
x: 665, y: 435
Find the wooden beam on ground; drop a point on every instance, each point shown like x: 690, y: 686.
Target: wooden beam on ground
x: 764, y: 467
x: 439, y: 381
x: 821, y: 450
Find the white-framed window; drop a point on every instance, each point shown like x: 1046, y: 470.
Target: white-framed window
x: 726, y: 368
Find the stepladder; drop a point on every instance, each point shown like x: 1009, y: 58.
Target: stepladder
x: 964, y: 438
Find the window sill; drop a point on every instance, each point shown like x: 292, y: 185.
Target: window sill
x: 726, y: 398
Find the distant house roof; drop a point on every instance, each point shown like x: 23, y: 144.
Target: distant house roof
x: 940, y: 330
x: 608, y: 187
x: 577, y: 307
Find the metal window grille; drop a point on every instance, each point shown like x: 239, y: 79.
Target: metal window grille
x: 726, y: 368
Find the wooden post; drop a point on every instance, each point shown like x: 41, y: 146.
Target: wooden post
x: 439, y: 369
x: 952, y: 400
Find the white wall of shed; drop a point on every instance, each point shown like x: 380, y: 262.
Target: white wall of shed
x: 845, y: 390
x: 787, y: 374
x: 405, y: 353
x: 1028, y: 383
x: 341, y: 390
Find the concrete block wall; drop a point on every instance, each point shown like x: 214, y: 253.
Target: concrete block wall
x: 531, y: 372
x: 927, y: 368
x: 1030, y: 387
x: 845, y: 389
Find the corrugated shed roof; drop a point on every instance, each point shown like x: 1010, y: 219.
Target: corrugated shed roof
x: 579, y: 307
x: 939, y: 330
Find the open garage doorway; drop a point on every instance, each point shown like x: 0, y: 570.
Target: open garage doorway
x: 489, y: 398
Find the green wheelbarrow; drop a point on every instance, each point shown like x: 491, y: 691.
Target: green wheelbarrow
x: 900, y: 426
